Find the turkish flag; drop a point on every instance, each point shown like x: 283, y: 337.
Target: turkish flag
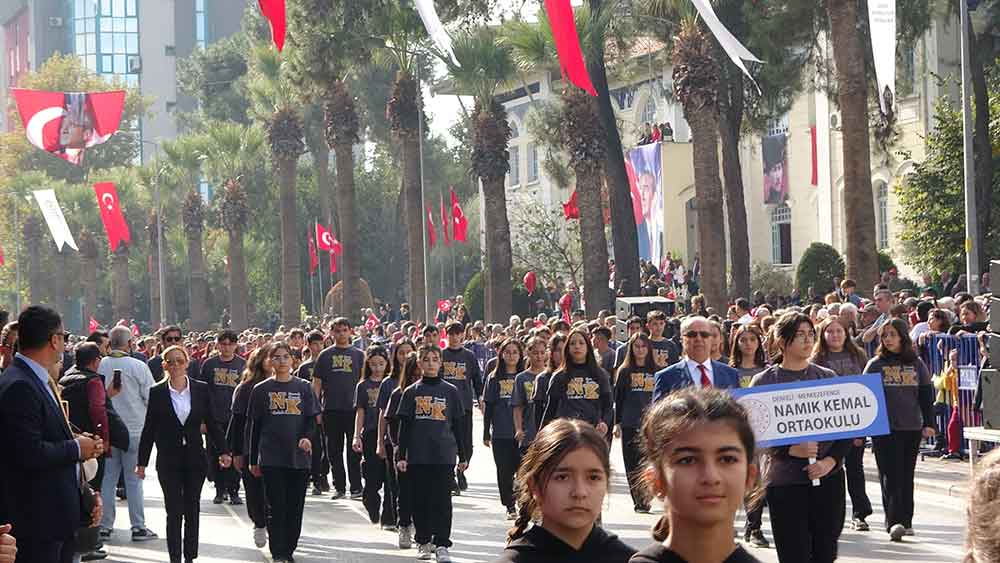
x: 570, y: 209
x: 431, y: 233
x: 66, y: 123
x: 111, y: 214
x: 460, y: 224
x: 444, y: 305
x: 324, y: 238
x: 94, y: 325
x: 371, y: 322
x: 333, y: 262
x: 444, y: 223
x: 567, y: 41
x: 274, y: 11
x: 313, y: 258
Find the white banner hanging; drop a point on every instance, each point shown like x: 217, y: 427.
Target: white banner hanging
x: 435, y: 29
x: 882, y: 26
x: 730, y: 44
x: 54, y: 218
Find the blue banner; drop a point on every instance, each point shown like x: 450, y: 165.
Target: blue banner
x: 820, y: 410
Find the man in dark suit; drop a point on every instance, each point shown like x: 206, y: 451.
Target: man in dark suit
x: 41, y: 483
x: 696, y: 367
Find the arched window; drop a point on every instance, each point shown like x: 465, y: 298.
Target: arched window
x: 781, y: 234
x: 648, y: 114
x: 514, y: 132
x: 514, y: 160
x: 882, y: 213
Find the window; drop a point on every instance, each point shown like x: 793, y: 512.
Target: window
x: 882, y: 212
x: 781, y: 235
x: 532, y: 163
x: 777, y: 126
x: 199, y: 23
x: 648, y: 114
x: 514, y: 176
x: 106, y: 37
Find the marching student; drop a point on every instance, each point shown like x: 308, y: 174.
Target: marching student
x: 431, y: 428
x: 665, y: 352
x: 633, y: 393
x: 366, y: 429
x: 408, y: 375
x: 909, y: 401
x: 383, y: 448
x: 282, y: 415
x: 320, y: 465
x: 460, y: 368
x: 498, y: 420
x: 580, y: 389
x: 521, y: 402
x: 564, y: 476
x: 699, y: 449
x: 557, y: 345
x: 222, y: 373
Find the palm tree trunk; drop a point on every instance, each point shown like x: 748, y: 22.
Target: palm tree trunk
x: 88, y: 278
x: 238, y: 293
x: 321, y: 169
x: 858, y: 204
x: 291, y: 285
x: 59, y: 282
x: 498, y: 253
x: 708, y: 198
x: 154, y: 282
x: 593, y: 241
x: 121, y: 290
x: 350, y: 261
x: 198, y: 292
x: 739, y: 237
x: 414, y: 226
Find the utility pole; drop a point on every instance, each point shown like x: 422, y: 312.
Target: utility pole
x: 971, y: 220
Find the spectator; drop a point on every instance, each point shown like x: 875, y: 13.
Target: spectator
x: 83, y: 390
x: 655, y: 136
x: 667, y: 132
x: 8, y: 344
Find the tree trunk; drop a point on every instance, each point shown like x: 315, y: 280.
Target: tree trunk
x: 291, y: 284
x: 730, y: 121
x: 852, y: 96
x: 35, y: 283
x: 154, y: 282
x: 198, y: 291
x: 321, y: 169
x: 983, y: 151
x: 59, y: 282
x: 414, y: 226
x: 238, y: 292
x: 88, y: 281
x: 593, y: 241
x: 121, y: 289
x: 498, y: 254
x: 350, y: 262
x: 624, y: 237
x: 708, y: 199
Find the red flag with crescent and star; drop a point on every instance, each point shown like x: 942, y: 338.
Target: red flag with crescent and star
x: 459, y: 223
x: 274, y: 11
x: 313, y: 257
x: 567, y: 40
x: 65, y: 124
x: 324, y: 238
x: 111, y: 214
x: 431, y: 231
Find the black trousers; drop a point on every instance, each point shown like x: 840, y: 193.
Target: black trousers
x: 460, y: 481
x: 432, y: 503
x: 320, y: 463
x: 286, y: 496
x: 391, y: 496
x: 632, y: 458
x: 507, y: 457
x: 339, y: 428
x: 227, y: 480
x: 256, y: 500
x: 181, y: 499
x: 30, y: 550
x: 755, y: 515
x: 854, y: 467
x: 896, y: 458
x: 806, y: 521
x: 374, y: 471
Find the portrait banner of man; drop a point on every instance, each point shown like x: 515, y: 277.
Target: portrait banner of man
x: 774, y: 149
x: 644, y: 170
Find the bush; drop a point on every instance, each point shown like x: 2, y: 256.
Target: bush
x: 885, y: 262
x: 766, y: 278
x: 475, y: 298
x: 818, y: 267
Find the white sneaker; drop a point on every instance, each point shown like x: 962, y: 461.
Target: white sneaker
x: 260, y: 537
x: 441, y: 554
x: 425, y: 552
x: 405, y: 538
x: 896, y: 532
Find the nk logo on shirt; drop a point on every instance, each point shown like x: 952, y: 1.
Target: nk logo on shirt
x: 506, y: 388
x: 342, y: 363
x: 643, y: 382
x: 583, y: 388
x: 372, y: 397
x: 282, y: 402
x: 431, y: 408
x: 453, y: 370
x: 226, y: 377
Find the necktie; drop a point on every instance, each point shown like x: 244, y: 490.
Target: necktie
x: 705, y: 381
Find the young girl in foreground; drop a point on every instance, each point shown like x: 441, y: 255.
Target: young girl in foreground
x: 699, y: 446
x: 564, y: 477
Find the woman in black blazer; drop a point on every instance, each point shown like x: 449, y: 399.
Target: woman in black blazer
x: 179, y: 412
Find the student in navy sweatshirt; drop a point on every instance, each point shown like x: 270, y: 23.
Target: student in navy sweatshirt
x: 366, y: 429
x: 564, y: 477
x: 383, y: 448
x: 408, y: 374
x: 460, y: 367
x: 498, y: 420
x: 633, y: 394
x: 521, y: 399
x: 557, y: 343
x: 580, y: 389
x: 431, y: 437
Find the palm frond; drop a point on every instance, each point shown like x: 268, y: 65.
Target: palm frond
x: 485, y: 62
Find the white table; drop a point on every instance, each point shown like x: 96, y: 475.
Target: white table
x: 976, y: 434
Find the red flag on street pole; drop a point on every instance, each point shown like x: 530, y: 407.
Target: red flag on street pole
x: 324, y: 238
x: 313, y: 258
x: 431, y: 233
x: 570, y: 209
x: 459, y: 223
x: 274, y: 11
x: 111, y: 214
x: 567, y: 42
x: 444, y: 223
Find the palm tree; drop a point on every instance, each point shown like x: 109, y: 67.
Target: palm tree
x: 852, y: 96
x: 274, y: 105
x: 32, y: 230
x: 486, y: 64
x: 121, y: 288
x: 154, y: 271
x: 88, y: 273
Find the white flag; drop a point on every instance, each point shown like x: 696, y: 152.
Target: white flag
x: 882, y: 23
x: 730, y: 44
x: 435, y: 29
x: 54, y: 218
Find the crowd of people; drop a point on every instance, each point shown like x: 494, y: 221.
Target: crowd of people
x: 382, y: 413
x: 655, y: 133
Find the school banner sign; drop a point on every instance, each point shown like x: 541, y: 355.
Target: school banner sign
x: 822, y: 410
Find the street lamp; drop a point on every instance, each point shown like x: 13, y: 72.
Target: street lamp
x: 159, y: 231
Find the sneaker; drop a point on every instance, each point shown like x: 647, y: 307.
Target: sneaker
x: 859, y: 525
x: 95, y: 555
x: 425, y: 551
x: 219, y: 498
x: 442, y: 555
x: 234, y: 499
x: 105, y: 534
x: 511, y: 514
x: 405, y: 538
x: 317, y: 492
x: 260, y: 537
x: 756, y: 538
x: 324, y: 486
x: 896, y: 532
x: 337, y: 495
x: 357, y: 495
x: 643, y: 509
x: 143, y: 534
x: 456, y: 492
x: 910, y: 532
x: 389, y: 528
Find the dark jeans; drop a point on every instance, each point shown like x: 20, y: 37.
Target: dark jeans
x: 633, y: 466
x: 181, y: 498
x: 256, y: 500
x: 460, y: 480
x: 339, y: 428
x: 404, y: 488
x: 286, y: 495
x: 507, y: 457
x: 806, y: 521
x: 320, y: 463
x: 432, y: 503
x: 227, y: 480
x: 854, y: 466
x: 391, y: 495
x: 374, y: 470
x: 896, y: 458
x: 30, y: 550
x: 755, y: 515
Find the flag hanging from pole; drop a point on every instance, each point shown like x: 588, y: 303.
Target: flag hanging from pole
x: 431, y: 233
x: 460, y: 224
x: 94, y: 325
x: 333, y: 263
x: 274, y: 12
x: 111, y: 214
x: 730, y: 44
x: 563, y: 25
x: 65, y: 124
x: 324, y: 238
x: 54, y: 219
x: 435, y: 29
x: 444, y: 223
x: 570, y: 209
x: 313, y: 258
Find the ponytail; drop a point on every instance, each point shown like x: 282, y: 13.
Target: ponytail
x: 524, y: 512
x: 662, y: 528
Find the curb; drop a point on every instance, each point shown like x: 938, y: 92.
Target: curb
x: 948, y: 488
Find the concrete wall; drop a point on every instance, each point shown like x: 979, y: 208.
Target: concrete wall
x: 157, y: 28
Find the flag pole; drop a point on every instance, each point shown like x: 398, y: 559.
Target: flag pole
x: 322, y: 294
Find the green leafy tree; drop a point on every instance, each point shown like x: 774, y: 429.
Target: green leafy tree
x: 548, y: 244
x: 819, y: 266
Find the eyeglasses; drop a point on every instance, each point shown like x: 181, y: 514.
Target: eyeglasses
x: 805, y: 335
x: 281, y: 358
x: 177, y: 362
x: 698, y: 333
x: 172, y: 338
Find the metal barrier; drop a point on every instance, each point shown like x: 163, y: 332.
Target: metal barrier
x: 935, y: 354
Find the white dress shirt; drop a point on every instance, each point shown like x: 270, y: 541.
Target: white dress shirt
x: 692, y: 367
x: 181, y: 401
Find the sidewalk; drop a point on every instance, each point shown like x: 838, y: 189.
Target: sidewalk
x: 933, y: 475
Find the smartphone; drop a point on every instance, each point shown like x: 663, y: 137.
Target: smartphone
x: 116, y: 379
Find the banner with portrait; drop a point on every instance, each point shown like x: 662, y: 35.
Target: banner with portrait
x: 644, y: 173
x: 775, y: 152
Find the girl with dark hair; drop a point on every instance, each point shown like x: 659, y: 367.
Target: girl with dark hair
x: 498, y: 419
x: 633, y: 393
x: 521, y: 400
x: 806, y: 518
x: 556, y: 345
x: 366, y: 430
x: 383, y: 447
x: 408, y: 374
x: 580, y: 389
x: 909, y: 400
x: 686, y: 436
x: 747, y: 353
x: 237, y: 435
x: 564, y: 478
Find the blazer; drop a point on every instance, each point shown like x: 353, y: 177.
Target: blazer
x: 177, y: 446
x: 38, y: 469
x: 677, y: 376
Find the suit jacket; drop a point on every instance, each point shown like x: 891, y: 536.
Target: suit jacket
x: 178, y: 446
x: 677, y: 376
x: 38, y: 465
